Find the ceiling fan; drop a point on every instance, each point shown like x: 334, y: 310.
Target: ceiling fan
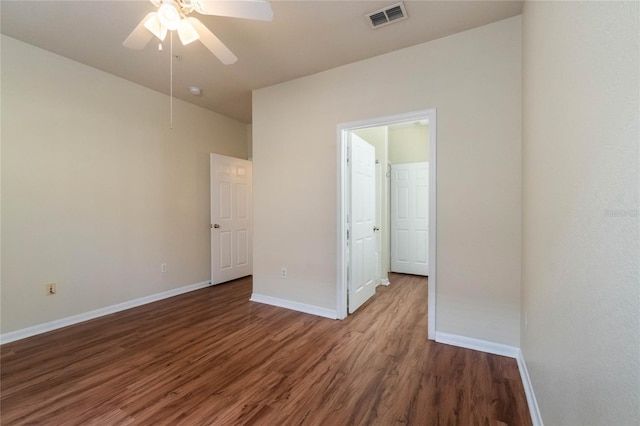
x: 173, y: 15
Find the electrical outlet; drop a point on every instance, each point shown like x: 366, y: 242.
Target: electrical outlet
x: 163, y: 268
x: 51, y: 289
x: 283, y: 272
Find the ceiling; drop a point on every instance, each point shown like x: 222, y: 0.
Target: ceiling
x: 305, y: 37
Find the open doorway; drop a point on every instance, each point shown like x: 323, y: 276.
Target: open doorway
x: 368, y: 129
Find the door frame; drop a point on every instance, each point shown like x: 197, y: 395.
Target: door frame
x: 342, y: 180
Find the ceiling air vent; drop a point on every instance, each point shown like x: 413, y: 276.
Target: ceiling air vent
x: 388, y: 15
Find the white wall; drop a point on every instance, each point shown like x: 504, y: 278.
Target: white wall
x: 474, y: 80
x: 97, y: 191
x: 581, y: 257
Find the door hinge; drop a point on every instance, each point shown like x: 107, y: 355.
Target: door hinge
x: 347, y: 235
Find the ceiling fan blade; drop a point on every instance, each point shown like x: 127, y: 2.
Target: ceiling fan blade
x: 213, y: 43
x: 139, y: 37
x: 248, y: 9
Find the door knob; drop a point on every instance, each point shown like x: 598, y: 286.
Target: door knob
x: 216, y: 226
x: 375, y: 228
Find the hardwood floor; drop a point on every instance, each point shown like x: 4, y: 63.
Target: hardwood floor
x: 211, y: 357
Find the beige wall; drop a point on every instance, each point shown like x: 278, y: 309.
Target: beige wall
x: 474, y: 80
x: 376, y: 136
x: 581, y: 280
x: 97, y: 191
x: 408, y: 144
x: 249, y: 141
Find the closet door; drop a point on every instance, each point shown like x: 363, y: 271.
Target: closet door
x: 231, y: 224
x: 410, y: 218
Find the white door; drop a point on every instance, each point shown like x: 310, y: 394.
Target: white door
x: 231, y: 223
x: 410, y: 218
x: 362, y: 213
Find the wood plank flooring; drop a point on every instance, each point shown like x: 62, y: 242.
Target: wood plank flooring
x: 211, y: 357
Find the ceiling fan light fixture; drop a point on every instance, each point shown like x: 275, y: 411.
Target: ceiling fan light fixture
x: 187, y: 32
x: 157, y: 29
x: 172, y: 15
x: 169, y: 15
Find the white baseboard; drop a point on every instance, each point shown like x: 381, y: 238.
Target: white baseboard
x: 75, y: 319
x: 295, y: 306
x: 477, y: 344
x: 534, y: 410
x: 385, y: 281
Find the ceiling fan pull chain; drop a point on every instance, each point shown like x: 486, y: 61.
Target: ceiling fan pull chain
x: 171, y: 84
